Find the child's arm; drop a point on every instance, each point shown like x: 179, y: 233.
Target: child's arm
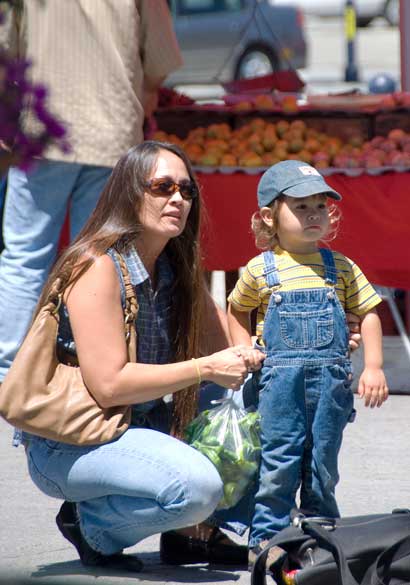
x: 372, y: 383
x: 239, y: 324
x: 215, y: 335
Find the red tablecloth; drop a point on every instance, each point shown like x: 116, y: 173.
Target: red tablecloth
x: 375, y: 229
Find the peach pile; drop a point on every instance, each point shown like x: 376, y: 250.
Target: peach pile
x: 260, y: 143
x: 287, y: 103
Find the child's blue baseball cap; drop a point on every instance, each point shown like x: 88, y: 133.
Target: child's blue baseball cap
x: 293, y: 178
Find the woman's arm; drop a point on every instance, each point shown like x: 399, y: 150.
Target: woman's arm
x: 96, y: 316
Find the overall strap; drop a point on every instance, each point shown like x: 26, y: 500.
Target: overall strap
x: 270, y: 271
x: 391, y: 566
x: 330, y: 266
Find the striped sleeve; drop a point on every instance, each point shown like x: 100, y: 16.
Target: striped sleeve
x: 245, y: 295
x: 361, y: 297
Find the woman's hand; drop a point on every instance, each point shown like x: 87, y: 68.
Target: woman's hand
x: 230, y: 367
x: 355, y: 339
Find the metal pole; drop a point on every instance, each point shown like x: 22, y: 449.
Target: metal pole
x: 387, y: 294
x: 218, y: 288
x: 351, y: 72
x: 404, y: 24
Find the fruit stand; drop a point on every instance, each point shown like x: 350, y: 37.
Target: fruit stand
x: 331, y: 132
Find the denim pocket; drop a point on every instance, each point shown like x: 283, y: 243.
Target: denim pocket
x: 266, y: 379
x: 342, y: 375
x: 306, y: 330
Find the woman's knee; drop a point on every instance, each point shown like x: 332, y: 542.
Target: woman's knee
x: 195, y: 493
x: 207, y: 484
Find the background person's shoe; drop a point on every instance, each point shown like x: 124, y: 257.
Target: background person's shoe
x: 219, y: 549
x: 69, y: 526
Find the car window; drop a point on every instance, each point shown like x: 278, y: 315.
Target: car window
x: 188, y: 7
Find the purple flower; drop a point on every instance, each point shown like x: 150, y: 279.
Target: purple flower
x: 19, y: 97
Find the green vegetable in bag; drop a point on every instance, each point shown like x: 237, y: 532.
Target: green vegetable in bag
x: 229, y: 436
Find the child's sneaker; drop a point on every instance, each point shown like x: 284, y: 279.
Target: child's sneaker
x: 274, y: 555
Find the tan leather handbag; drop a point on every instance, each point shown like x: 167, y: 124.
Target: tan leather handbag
x: 47, y: 398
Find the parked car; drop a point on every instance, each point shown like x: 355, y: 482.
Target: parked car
x: 223, y: 40
x: 366, y: 10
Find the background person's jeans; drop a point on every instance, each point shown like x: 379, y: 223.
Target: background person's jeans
x: 3, y: 186
x: 34, y: 213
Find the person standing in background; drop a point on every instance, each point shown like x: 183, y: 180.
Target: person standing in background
x: 103, y: 64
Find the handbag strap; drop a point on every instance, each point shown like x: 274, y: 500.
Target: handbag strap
x: 131, y: 307
x: 327, y: 540
x: 378, y: 573
x: 258, y: 576
x: 131, y: 304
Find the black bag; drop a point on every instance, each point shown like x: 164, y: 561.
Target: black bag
x: 366, y: 550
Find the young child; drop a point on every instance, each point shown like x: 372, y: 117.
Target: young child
x: 301, y: 292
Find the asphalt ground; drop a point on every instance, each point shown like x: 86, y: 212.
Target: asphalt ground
x: 374, y: 470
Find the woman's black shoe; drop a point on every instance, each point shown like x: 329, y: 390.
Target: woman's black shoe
x: 68, y: 524
x: 178, y: 549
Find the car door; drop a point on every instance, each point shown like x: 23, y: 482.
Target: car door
x: 208, y: 32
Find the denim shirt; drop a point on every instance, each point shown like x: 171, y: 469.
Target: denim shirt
x: 152, y: 324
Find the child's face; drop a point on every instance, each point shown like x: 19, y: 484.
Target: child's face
x: 302, y: 222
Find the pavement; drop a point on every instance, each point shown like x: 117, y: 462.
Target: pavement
x: 376, y: 50
x: 374, y: 471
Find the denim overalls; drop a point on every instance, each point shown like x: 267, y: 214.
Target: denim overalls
x: 305, y: 400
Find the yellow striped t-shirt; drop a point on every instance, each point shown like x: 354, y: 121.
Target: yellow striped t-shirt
x: 301, y: 271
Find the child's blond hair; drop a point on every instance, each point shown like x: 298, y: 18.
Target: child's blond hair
x: 266, y: 236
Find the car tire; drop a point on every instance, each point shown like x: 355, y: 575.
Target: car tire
x: 363, y: 21
x: 392, y: 12
x: 255, y: 62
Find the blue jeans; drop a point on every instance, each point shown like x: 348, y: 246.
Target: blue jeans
x: 34, y: 213
x: 301, y: 438
x: 143, y: 483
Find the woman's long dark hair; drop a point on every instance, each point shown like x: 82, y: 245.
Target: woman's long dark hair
x: 115, y: 223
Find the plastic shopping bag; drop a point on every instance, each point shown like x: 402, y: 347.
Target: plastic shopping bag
x: 229, y: 436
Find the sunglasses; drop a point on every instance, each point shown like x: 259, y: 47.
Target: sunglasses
x: 167, y: 187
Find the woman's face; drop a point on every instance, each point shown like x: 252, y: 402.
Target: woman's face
x: 163, y: 215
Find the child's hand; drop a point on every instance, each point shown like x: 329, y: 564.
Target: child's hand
x: 355, y: 339
x: 373, y: 387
